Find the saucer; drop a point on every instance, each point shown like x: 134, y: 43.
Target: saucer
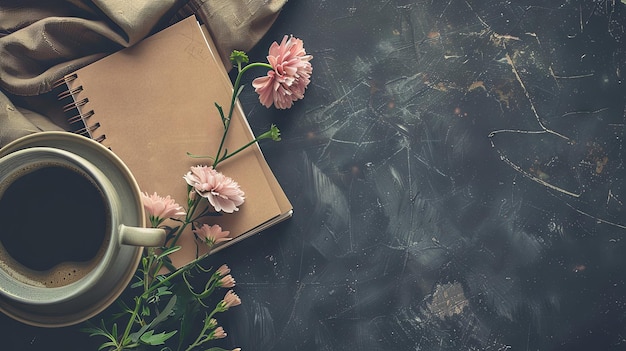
x: 122, y: 179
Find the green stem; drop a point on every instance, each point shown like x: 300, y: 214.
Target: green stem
x: 202, y: 338
x: 209, y: 287
x: 146, y: 274
x: 180, y: 230
x: 169, y: 277
x: 226, y: 157
x: 188, y: 219
x: 131, y: 322
x: 218, y: 158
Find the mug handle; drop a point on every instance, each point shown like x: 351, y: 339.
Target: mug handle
x: 138, y: 236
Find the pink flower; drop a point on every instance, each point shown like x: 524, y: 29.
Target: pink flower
x: 218, y: 333
x: 160, y: 208
x: 222, y: 192
x: 290, y: 75
x: 223, y: 270
x: 227, y: 282
x: 230, y: 300
x: 212, y: 235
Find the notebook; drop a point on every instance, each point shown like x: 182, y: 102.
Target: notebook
x: 154, y: 102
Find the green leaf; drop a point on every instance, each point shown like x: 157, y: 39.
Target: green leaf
x: 134, y: 337
x: 107, y: 344
x: 221, y: 111
x: 239, y: 90
x: 150, y: 338
x: 167, y: 262
x: 158, y: 319
x: 95, y: 332
x: 166, y: 311
x: 162, y: 291
x: 101, y: 332
x: 168, y: 252
x: 198, y: 156
x: 114, y: 331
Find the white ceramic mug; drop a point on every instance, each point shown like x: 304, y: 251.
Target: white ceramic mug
x: 72, y: 228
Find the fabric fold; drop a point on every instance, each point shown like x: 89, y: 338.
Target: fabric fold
x: 43, y: 40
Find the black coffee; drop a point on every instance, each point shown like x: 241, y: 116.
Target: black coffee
x: 52, y: 215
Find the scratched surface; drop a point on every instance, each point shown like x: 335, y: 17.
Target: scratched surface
x: 457, y: 170
x: 457, y: 173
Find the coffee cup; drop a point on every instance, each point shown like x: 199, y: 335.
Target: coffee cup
x: 72, y: 228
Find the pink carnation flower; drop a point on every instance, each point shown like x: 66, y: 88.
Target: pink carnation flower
x: 222, y: 192
x: 212, y: 235
x: 290, y: 75
x: 160, y: 208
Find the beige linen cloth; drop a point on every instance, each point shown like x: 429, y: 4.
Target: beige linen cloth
x: 42, y: 40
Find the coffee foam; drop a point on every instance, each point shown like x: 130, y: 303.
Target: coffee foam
x: 17, y: 275
x: 60, y: 275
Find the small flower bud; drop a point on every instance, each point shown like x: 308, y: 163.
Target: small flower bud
x: 211, y: 323
x: 218, y: 333
x: 226, y: 282
x: 273, y: 133
x: 238, y: 57
x: 223, y: 270
x: 230, y: 300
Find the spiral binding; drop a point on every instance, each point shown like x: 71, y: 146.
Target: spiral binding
x: 73, y: 109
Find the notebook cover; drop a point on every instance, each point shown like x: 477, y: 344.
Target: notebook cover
x: 154, y: 102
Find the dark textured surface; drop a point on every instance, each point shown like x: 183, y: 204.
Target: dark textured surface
x: 457, y: 175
